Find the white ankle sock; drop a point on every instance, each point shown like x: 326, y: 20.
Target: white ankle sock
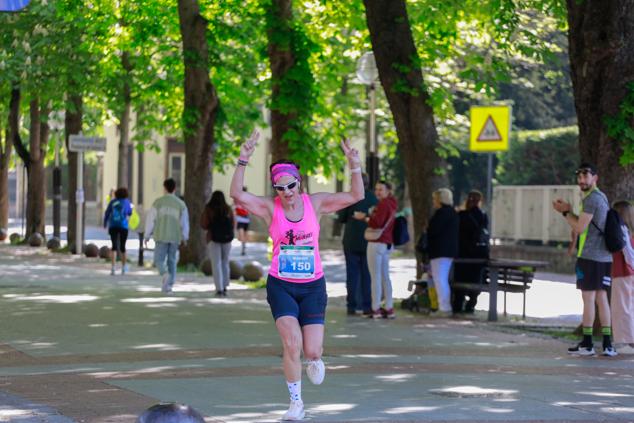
x: 295, y: 390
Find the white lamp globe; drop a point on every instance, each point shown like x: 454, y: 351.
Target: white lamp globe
x: 366, y: 69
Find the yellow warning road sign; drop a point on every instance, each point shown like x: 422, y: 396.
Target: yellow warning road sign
x: 490, y: 128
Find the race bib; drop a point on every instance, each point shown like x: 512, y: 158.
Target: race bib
x: 296, y: 262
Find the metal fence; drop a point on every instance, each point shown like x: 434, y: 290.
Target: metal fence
x: 525, y: 213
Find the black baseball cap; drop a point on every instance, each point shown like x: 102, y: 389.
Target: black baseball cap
x: 586, y: 167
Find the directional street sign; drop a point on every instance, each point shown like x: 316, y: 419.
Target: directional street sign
x: 81, y: 144
x: 490, y: 128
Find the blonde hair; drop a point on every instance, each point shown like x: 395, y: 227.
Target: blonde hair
x: 626, y: 211
x: 445, y: 196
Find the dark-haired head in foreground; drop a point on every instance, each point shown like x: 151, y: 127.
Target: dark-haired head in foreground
x: 170, y: 413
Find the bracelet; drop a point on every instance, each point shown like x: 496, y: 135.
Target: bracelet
x: 356, y: 170
x: 242, y: 162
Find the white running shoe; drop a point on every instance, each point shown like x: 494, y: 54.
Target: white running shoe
x: 295, y: 411
x: 124, y: 269
x: 316, y: 371
x: 609, y: 352
x: 581, y: 350
x: 112, y: 270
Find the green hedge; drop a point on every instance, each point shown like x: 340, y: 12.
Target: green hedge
x: 541, y: 157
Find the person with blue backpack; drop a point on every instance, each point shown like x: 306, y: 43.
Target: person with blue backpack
x: 116, y: 219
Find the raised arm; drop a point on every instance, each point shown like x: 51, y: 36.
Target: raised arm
x: 327, y: 202
x: 577, y: 223
x: 259, y: 206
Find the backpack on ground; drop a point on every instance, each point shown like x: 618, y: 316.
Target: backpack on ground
x: 400, y: 233
x: 117, y: 215
x: 612, y: 232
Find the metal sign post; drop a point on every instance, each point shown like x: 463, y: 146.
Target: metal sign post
x: 490, y: 130
x: 79, y: 203
x: 80, y: 144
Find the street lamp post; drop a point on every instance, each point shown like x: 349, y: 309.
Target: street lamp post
x: 56, y: 123
x: 367, y: 73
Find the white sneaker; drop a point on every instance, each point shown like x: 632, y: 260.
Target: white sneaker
x: 609, y: 352
x: 124, y: 269
x: 165, y: 285
x: 316, y: 371
x: 112, y: 270
x: 581, y: 350
x: 295, y: 411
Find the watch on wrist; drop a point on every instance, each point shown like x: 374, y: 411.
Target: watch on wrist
x: 565, y: 213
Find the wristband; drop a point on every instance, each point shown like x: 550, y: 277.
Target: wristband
x: 242, y: 162
x: 356, y: 170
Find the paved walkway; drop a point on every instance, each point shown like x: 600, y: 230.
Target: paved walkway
x: 78, y: 345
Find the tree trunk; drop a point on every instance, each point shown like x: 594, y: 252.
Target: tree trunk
x: 36, y: 193
x: 393, y: 44
x: 72, y: 123
x: 5, y: 158
x: 124, y: 125
x: 601, y: 51
x: 281, y: 61
x: 199, y: 117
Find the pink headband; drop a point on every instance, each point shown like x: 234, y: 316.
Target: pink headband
x: 281, y: 169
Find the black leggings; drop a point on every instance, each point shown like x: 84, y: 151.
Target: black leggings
x: 118, y: 236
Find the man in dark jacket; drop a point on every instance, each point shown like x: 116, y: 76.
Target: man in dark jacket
x: 354, y: 249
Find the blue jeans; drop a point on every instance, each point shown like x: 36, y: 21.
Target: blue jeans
x: 163, y: 251
x: 358, y: 281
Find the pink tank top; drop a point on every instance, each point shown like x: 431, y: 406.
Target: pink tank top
x: 295, y: 245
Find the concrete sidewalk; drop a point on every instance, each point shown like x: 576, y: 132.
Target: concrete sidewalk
x: 78, y: 345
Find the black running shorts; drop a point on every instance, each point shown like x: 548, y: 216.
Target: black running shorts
x: 593, y: 275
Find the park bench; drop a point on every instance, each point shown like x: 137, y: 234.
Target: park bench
x: 506, y: 275
x: 510, y: 279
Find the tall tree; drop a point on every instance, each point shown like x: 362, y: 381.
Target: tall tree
x: 33, y: 158
x: 281, y: 59
x: 601, y: 51
x: 73, y: 122
x: 5, y: 159
x: 199, y: 118
x: 293, y: 90
x: 5, y: 156
x: 124, y: 123
x: 401, y: 77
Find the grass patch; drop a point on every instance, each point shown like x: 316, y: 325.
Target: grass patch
x: 557, y: 332
x: 254, y: 285
x: 62, y: 250
x: 186, y: 268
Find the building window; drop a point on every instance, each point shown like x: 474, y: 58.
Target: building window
x: 176, y: 171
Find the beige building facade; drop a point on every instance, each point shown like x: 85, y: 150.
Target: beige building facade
x: 156, y: 166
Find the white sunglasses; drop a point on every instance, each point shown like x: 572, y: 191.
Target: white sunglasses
x: 288, y: 186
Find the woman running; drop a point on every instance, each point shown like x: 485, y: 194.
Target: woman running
x: 296, y: 288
